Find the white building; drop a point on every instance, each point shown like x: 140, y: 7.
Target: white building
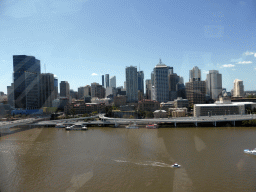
x: 214, y: 84
x: 112, y: 81
x: 238, y: 90
x: 195, y: 74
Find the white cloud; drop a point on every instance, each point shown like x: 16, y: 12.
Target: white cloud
x: 228, y: 65
x: 254, y: 54
x: 249, y: 53
x: 205, y: 72
x: 244, y: 62
x: 236, y: 60
x: 94, y: 74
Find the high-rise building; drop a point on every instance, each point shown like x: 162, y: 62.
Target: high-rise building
x: 26, y: 71
x: 10, y: 95
x: 148, y: 88
x: 214, y: 84
x: 107, y: 80
x: 140, y: 75
x: 87, y: 90
x: 64, y: 89
x: 97, y: 90
x: 102, y: 80
x: 161, y: 72
x: 47, y: 91
x: 131, y: 84
x: 112, y: 81
x: 195, y: 74
x: 195, y: 88
x: 238, y: 90
x: 56, y: 88
x: 173, y: 80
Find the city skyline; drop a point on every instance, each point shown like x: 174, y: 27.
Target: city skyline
x: 74, y: 40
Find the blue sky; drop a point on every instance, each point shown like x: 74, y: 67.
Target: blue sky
x: 81, y: 40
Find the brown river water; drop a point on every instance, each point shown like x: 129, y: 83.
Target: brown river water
x: 109, y: 159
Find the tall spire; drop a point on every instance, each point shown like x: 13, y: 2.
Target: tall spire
x: 160, y: 62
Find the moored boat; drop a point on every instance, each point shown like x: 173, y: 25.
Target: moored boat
x: 175, y: 165
x: 132, y: 126
x: 152, y: 126
x: 59, y: 125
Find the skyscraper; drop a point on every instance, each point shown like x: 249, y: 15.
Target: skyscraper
x: 10, y: 95
x: 97, y: 90
x: 112, y: 81
x: 195, y: 74
x: 47, y: 91
x: 107, y: 80
x: 195, y: 88
x: 56, y: 87
x: 64, y: 89
x: 26, y: 82
x: 131, y: 84
x: 148, y: 88
x: 238, y: 90
x: 161, y: 72
x: 140, y: 75
x: 213, y: 84
x: 102, y: 80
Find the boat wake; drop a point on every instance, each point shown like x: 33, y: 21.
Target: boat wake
x: 146, y: 163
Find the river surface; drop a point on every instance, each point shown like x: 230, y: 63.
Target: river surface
x: 109, y: 159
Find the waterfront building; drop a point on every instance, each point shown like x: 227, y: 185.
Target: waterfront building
x: 47, y: 91
x: 223, y: 107
x: 131, y: 84
x: 97, y: 90
x: 214, y: 84
x: 79, y: 107
x: 10, y: 95
x: 161, y: 72
x: 107, y: 80
x: 160, y: 114
x: 113, y: 81
x: 26, y: 71
x: 181, y: 103
x: 64, y: 89
x: 238, y: 90
x: 140, y: 75
x: 148, y: 105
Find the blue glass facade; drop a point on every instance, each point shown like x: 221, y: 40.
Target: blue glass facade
x: 26, y: 71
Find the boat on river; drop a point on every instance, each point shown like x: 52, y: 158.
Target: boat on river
x: 76, y: 127
x: 152, y: 126
x: 175, y: 165
x: 250, y: 152
x: 59, y: 125
x: 132, y: 126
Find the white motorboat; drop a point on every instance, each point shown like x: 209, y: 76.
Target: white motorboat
x: 68, y: 128
x: 250, y: 152
x: 132, y: 126
x: 84, y: 127
x: 175, y: 165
